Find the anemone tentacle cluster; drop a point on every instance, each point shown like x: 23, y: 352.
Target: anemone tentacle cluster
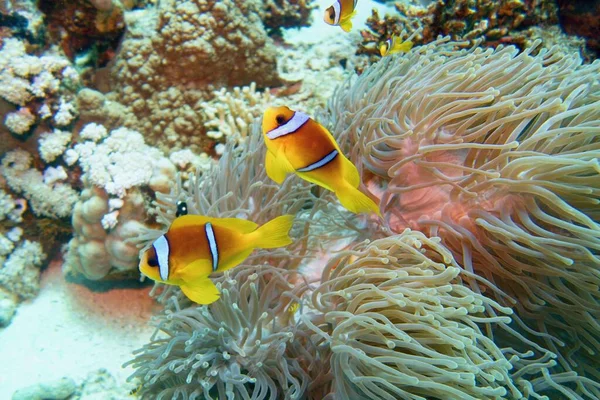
x: 480, y: 282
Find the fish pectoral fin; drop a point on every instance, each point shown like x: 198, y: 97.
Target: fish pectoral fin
x: 202, y: 291
x: 278, y: 167
x: 346, y: 25
x: 356, y: 201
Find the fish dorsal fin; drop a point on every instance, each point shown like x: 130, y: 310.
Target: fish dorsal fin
x: 237, y: 224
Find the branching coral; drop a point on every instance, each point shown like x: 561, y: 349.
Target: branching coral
x: 496, y: 152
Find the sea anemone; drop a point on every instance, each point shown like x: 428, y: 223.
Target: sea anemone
x: 234, y: 348
x: 399, y: 323
x: 496, y: 152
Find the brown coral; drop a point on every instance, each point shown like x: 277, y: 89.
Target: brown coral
x: 175, y: 54
x: 278, y: 14
x: 84, y: 25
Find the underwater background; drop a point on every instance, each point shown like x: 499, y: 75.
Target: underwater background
x: 474, y: 130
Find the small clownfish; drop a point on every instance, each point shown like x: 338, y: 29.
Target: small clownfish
x: 341, y: 13
x: 195, y: 246
x: 394, y: 45
x: 298, y: 144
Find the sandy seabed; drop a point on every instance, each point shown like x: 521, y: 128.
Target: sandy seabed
x: 68, y: 330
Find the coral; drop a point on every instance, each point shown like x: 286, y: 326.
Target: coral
x: 20, y: 273
x: 279, y: 14
x: 81, y: 25
x: 53, y: 144
x: 233, y: 348
x: 231, y: 112
x: 118, y: 168
x: 8, y: 307
x: 10, y: 208
x: 99, y: 246
x: 41, y: 86
x: 173, y: 54
x: 52, y: 200
x: 495, y: 152
x: 491, y: 22
x: 581, y: 18
x: 122, y: 161
x: 20, y: 121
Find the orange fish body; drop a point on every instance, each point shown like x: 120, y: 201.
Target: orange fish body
x: 341, y: 13
x: 298, y: 144
x: 195, y: 246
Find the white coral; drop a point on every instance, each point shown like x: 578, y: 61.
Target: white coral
x: 54, y: 200
x: 52, y: 145
x: 65, y: 114
x: 120, y: 162
x: 20, y: 121
x: 93, y: 132
x: 21, y: 271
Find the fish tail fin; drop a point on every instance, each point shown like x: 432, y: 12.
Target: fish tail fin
x: 202, y: 291
x: 356, y: 201
x: 402, y: 46
x: 274, y: 233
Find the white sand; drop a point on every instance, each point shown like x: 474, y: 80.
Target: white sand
x: 68, y: 330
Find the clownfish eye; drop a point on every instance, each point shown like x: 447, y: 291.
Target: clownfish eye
x: 181, y: 209
x: 152, y: 259
x: 332, y: 14
x: 280, y: 119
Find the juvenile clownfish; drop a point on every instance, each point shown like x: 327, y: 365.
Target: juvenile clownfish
x: 341, y: 13
x: 195, y: 246
x: 298, y: 144
x: 394, y: 45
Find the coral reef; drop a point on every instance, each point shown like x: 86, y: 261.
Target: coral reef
x: 82, y: 27
x: 40, y: 88
x: 280, y: 14
x: 581, y: 18
x: 495, y: 152
x: 173, y: 54
x: 491, y: 22
x: 117, y: 168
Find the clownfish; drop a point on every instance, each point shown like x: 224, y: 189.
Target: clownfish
x: 341, y: 13
x: 394, y: 45
x: 298, y: 144
x: 195, y: 246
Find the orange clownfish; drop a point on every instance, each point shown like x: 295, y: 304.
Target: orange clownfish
x: 298, y: 144
x: 195, y: 246
x: 341, y: 13
x: 394, y: 45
